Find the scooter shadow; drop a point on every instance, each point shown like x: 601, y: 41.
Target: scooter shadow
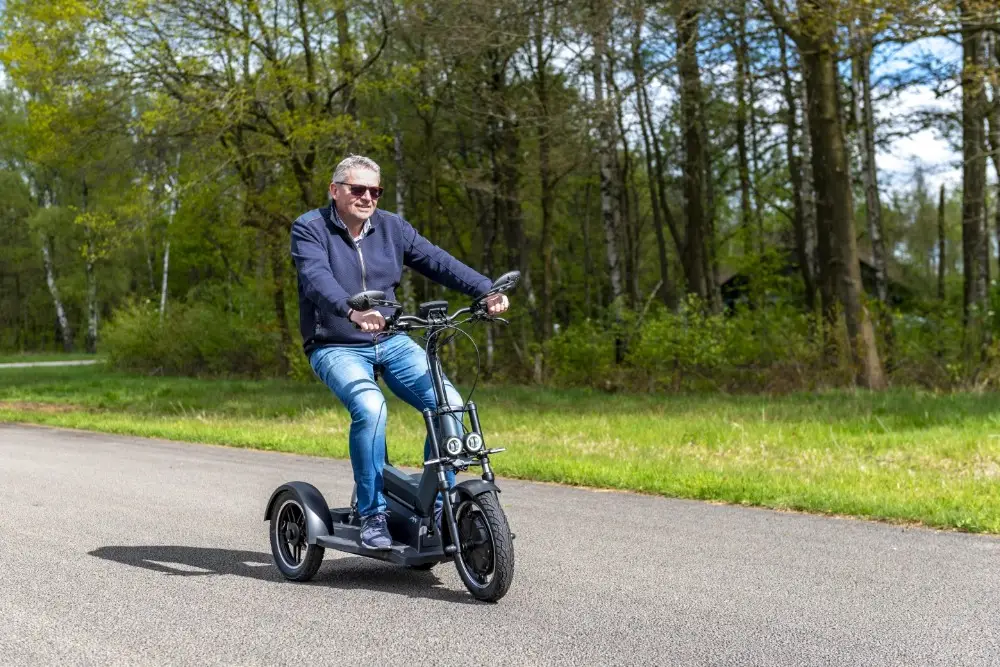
x: 345, y: 572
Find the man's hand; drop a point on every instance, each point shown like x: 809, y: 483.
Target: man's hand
x: 368, y: 320
x: 496, y: 304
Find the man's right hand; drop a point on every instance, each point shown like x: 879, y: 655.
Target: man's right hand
x: 368, y: 320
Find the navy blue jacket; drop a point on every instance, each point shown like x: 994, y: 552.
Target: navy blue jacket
x: 331, y: 268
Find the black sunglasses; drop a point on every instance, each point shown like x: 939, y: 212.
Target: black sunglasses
x: 359, y: 190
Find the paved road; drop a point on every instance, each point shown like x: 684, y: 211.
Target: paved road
x: 32, y: 364
x: 120, y: 550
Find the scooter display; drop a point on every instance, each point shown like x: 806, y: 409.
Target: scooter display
x: 474, y: 532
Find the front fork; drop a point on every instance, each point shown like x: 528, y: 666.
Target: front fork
x: 442, y: 482
x: 442, y: 479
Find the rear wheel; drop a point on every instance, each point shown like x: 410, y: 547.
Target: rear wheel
x: 295, y: 557
x: 485, y: 558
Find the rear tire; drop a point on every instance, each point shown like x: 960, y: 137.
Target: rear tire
x: 485, y: 558
x: 295, y: 557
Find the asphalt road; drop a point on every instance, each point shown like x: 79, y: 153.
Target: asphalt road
x: 119, y: 550
x: 34, y: 364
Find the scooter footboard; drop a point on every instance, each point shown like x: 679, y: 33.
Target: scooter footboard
x: 318, y: 521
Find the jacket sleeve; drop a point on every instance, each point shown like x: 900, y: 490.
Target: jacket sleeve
x: 429, y: 260
x: 315, y: 274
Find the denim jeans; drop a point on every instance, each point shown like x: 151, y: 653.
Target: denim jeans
x: 350, y: 374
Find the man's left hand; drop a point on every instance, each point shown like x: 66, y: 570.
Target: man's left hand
x: 496, y: 304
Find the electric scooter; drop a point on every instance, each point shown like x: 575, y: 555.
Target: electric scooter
x: 473, y: 527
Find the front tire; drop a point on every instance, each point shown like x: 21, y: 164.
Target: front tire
x: 295, y: 557
x: 485, y: 558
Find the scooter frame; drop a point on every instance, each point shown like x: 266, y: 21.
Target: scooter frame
x: 410, y: 498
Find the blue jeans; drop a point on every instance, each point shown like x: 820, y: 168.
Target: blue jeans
x: 350, y: 374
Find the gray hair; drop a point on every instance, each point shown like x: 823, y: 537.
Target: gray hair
x: 354, y: 162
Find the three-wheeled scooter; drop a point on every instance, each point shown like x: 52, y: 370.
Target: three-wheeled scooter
x: 473, y: 527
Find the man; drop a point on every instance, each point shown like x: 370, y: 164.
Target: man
x: 340, y: 250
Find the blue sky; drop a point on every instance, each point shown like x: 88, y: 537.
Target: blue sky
x: 926, y: 147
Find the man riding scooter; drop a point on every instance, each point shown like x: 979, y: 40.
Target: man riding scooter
x: 352, y: 246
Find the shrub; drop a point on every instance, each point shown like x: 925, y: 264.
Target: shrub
x: 194, y: 339
x: 583, y: 354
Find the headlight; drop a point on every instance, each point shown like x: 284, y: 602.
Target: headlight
x: 473, y: 443
x: 453, y: 446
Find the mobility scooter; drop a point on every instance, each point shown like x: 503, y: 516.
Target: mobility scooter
x: 473, y: 527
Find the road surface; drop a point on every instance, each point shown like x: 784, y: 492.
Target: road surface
x: 120, y: 550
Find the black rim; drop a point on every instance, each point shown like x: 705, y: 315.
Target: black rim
x: 477, y: 543
x: 290, y: 529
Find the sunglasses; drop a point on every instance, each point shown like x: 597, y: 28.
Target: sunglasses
x: 359, y: 190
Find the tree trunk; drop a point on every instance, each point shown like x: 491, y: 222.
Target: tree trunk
x: 406, y: 281
x: 864, y: 118
x: 544, y: 169
x: 746, y: 208
x: 666, y: 292
x: 941, y: 263
x: 758, y: 205
x: 345, y: 56
x: 588, y: 262
x: 713, y: 292
x: 50, y: 280
x: 629, y: 227
x: 605, y: 130
x: 89, y: 256
x: 488, y: 223
x: 174, y: 203
x: 809, y: 195
x: 691, y: 126
x: 91, y: 341
x: 973, y: 179
x: 835, y: 210
x: 795, y: 175
x: 279, y: 260
x: 993, y: 117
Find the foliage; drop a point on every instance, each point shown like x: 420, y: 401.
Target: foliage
x: 129, y: 127
x: 194, y: 339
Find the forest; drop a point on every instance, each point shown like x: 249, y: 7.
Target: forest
x: 689, y: 189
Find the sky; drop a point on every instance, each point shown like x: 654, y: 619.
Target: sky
x: 898, y: 160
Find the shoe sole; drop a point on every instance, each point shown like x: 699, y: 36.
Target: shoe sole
x: 372, y: 547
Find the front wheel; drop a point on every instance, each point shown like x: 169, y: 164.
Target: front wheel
x: 485, y: 558
x: 295, y: 557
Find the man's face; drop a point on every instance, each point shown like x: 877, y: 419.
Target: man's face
x: 360, y: 207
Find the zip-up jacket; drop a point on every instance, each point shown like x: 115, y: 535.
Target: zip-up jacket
x: 332, y: 267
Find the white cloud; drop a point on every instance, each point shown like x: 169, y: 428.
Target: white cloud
x: 926, y: 147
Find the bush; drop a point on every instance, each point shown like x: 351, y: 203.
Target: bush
x: 583, y: 354
x: 194, y: 339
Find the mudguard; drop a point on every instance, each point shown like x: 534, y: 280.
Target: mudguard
x: 318, y: 521
x: 471, y: 488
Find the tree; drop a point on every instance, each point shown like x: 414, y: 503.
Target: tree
x: 813, y: 28
x: 973, y: 173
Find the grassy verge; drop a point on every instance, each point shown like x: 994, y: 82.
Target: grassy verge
x: 898, y: 456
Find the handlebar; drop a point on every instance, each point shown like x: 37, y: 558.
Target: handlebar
x: 397, y: 322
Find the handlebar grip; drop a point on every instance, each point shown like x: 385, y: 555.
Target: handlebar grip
x: 362, y: 301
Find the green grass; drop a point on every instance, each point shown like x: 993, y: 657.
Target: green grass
x: 900, y: 456
x: 13, y: 358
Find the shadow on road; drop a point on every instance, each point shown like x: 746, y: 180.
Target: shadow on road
x: 353, y: 572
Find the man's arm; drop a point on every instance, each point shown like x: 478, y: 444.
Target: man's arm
x: 313, y: 264
x: 429, y: 260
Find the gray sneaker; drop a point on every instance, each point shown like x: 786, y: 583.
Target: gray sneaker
x: 375, y: 533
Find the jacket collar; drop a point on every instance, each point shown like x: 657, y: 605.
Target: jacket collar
x: 337, y: 222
